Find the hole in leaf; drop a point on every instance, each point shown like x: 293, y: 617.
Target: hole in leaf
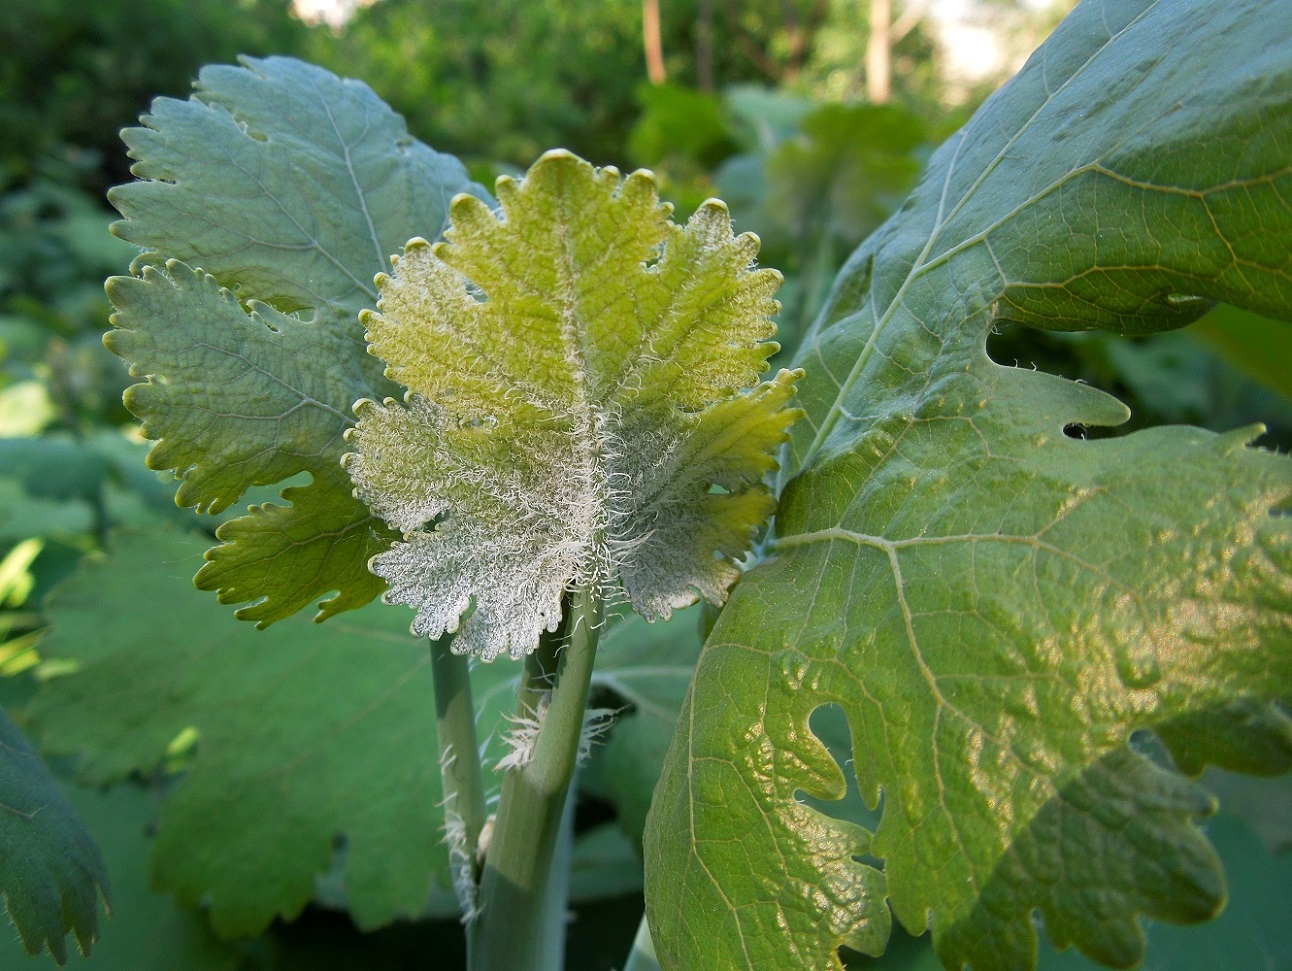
x: 829, y: 723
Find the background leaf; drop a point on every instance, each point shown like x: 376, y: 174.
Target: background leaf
x: 147, y: 931
x: 287, y: 189
x: 51, y: 872
x: 298, y: 764
x: 1260, y: 346
x: 643, y: 671
x: 313, y: 747
x: 997, y: 606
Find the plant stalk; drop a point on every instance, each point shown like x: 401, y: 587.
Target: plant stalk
x: 521, y: 917
x: 464, y: 800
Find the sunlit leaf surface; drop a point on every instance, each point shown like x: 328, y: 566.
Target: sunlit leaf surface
x: 994, y: 604
x: 583, y: 407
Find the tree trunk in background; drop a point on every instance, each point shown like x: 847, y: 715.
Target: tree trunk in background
x: 651, y: 38
x: 879, y: 68
x: 704, y: 46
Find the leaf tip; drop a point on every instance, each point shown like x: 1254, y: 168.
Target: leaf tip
x: 563, y: 154
x: 716, y: 206
x: 465, y: 209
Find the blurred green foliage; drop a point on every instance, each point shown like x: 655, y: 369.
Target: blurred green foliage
x: 55, y: 250
x: 503, y: 80
x: 74, y: 73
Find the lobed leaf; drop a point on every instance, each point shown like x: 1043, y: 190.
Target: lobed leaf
x: 148, y: 932
x: 313, y: 747
x: 51, y: 872
x: 577, y: 411
x: 995, y: 605
x: 267, y: 202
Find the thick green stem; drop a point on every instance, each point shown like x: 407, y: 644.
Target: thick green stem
x: 455, y: 724
x: 520, y: 915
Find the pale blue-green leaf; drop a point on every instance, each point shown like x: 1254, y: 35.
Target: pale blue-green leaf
x: 267, y: 203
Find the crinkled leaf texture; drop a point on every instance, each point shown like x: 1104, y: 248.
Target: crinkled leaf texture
x: 267, y: 202
x: 314, y: 747
x: 997, y: 606
x: 51, y: 872
x: 576, y: 413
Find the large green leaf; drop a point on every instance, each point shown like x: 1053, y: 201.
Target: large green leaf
x: 997, y: 606
x: 315, y: 746
x: 51, y: 872
x: 267, y: 204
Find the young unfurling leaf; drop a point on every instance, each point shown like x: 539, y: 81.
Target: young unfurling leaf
x: 578, y: 411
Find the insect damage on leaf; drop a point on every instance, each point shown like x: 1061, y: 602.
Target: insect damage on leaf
x: 583, y: 407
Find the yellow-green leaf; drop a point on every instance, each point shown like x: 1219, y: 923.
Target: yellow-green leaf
x: 579, y: 408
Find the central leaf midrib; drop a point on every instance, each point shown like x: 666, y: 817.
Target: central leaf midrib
x: 586, y: 413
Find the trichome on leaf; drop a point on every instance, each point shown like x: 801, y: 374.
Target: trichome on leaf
x: 579, y: 407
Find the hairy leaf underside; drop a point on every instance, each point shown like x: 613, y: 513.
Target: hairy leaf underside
x: 266, y: 204
x: 576, y: 413
x: 997, y: 606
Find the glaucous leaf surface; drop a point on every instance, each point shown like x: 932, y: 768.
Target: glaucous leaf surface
x: 268, y: 201
x: 583, y: 407
x: 995, y: 605
x: 314, y: 747
x: 51, y: 871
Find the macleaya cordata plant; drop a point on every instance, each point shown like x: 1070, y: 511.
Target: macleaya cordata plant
x: 555, y: 415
